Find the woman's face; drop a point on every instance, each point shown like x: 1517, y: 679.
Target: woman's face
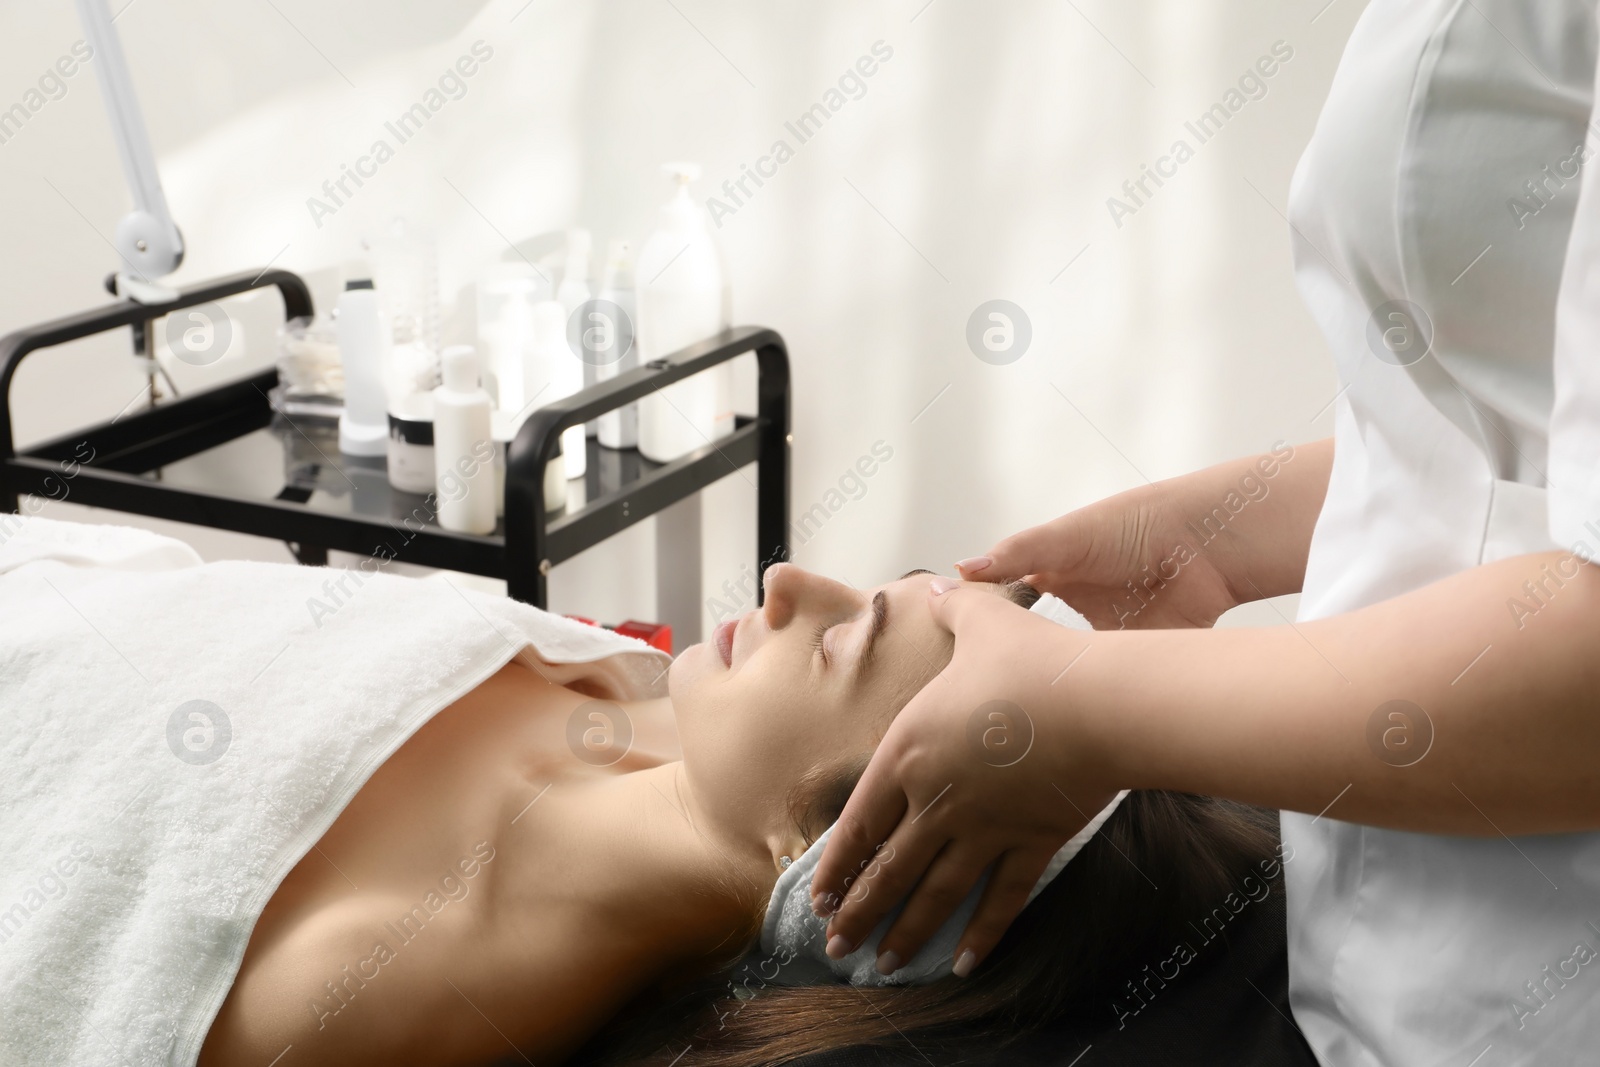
x: 804, y: 684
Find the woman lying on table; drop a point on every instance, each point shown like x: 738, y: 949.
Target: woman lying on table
x: 644, y: 883
x: 322, y: 816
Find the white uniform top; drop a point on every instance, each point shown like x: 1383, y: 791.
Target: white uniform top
x: 1449, y: 168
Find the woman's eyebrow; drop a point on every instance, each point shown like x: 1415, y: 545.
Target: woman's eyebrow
x: 880, y: 622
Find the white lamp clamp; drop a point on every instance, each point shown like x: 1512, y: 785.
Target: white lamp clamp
x: 147, y: 239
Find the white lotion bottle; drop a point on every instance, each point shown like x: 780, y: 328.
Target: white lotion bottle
x: 619, y: 428
x: 553, y: 372
x: 680, y: 302
x: 505, y: 293
x: 363, y: 347
x: 574, y: 293
x: 463, y: 445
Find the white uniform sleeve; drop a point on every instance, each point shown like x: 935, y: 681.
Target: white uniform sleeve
x: 1574, y: 458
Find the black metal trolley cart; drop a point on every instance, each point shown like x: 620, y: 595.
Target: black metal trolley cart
x: 155, y: 462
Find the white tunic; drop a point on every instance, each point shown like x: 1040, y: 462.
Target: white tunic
x: 1451, y: 164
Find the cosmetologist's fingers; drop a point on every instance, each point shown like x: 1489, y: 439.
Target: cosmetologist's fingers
x: 936, y: 897
x: 875, y: 808
x: 881, y: 884
x: 1003, y: 899
x: 1047, y: 556
x: 1035, y: 550
x: 954, y: 606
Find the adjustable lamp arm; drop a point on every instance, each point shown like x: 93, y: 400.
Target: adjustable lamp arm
x: 147, y: 239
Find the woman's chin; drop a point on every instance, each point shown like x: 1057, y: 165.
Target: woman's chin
x: 688, y: 688
x: 687, y: 668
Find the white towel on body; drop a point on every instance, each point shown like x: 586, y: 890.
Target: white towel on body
x: 140, y: 842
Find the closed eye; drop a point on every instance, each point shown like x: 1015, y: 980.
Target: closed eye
x: 817, y: 646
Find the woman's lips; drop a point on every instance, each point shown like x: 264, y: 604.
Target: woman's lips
x: 722, y: 637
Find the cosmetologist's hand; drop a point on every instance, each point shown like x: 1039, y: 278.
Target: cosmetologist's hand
x: 977, y: 770
x: 1180, y: 552
x: 1129, y: 561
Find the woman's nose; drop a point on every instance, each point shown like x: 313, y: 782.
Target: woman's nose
x: 788, y: 590
x: 780, y: 594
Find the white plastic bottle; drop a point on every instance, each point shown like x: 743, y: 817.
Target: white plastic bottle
x: 574, y: 292
x: 551, y: 371
x: 680, y: 302
x: 363, y: 351
x: 463, y: 445
x: 505, y: 293
x: 619, y: 428
x: 574, y: 288
x: 501, y: 348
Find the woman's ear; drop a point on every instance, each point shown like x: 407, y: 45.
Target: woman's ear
x: 814, y: 805
x: 785, y: 847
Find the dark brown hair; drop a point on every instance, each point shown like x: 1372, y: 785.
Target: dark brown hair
x: 1161, y: 862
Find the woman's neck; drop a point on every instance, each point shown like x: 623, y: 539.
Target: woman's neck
x: 658, y: 897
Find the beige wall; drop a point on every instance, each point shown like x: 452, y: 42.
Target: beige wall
x: 976, y: 164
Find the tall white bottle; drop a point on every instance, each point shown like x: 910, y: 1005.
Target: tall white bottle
x: 552, y: 372
x: 505, y: 293
x: 363, y: 348
x: 463, y: 445
x: 574, y: 292
x: 619, y: 428
x: 680, y: 302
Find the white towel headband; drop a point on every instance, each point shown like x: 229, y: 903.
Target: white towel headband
x: 793, y: 938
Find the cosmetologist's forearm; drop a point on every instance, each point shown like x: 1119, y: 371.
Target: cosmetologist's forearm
x: 1471, y: 706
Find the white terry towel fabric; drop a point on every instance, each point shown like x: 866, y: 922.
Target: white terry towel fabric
x: 141, y: 843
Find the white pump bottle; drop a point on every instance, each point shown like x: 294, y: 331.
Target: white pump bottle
x: 679, y: 281
x: 619, y: 428
x: 552, y: 372
x: 574, y: 292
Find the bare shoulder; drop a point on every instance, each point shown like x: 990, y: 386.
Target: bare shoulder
x: 427, y: 925
x: 369, y: 981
